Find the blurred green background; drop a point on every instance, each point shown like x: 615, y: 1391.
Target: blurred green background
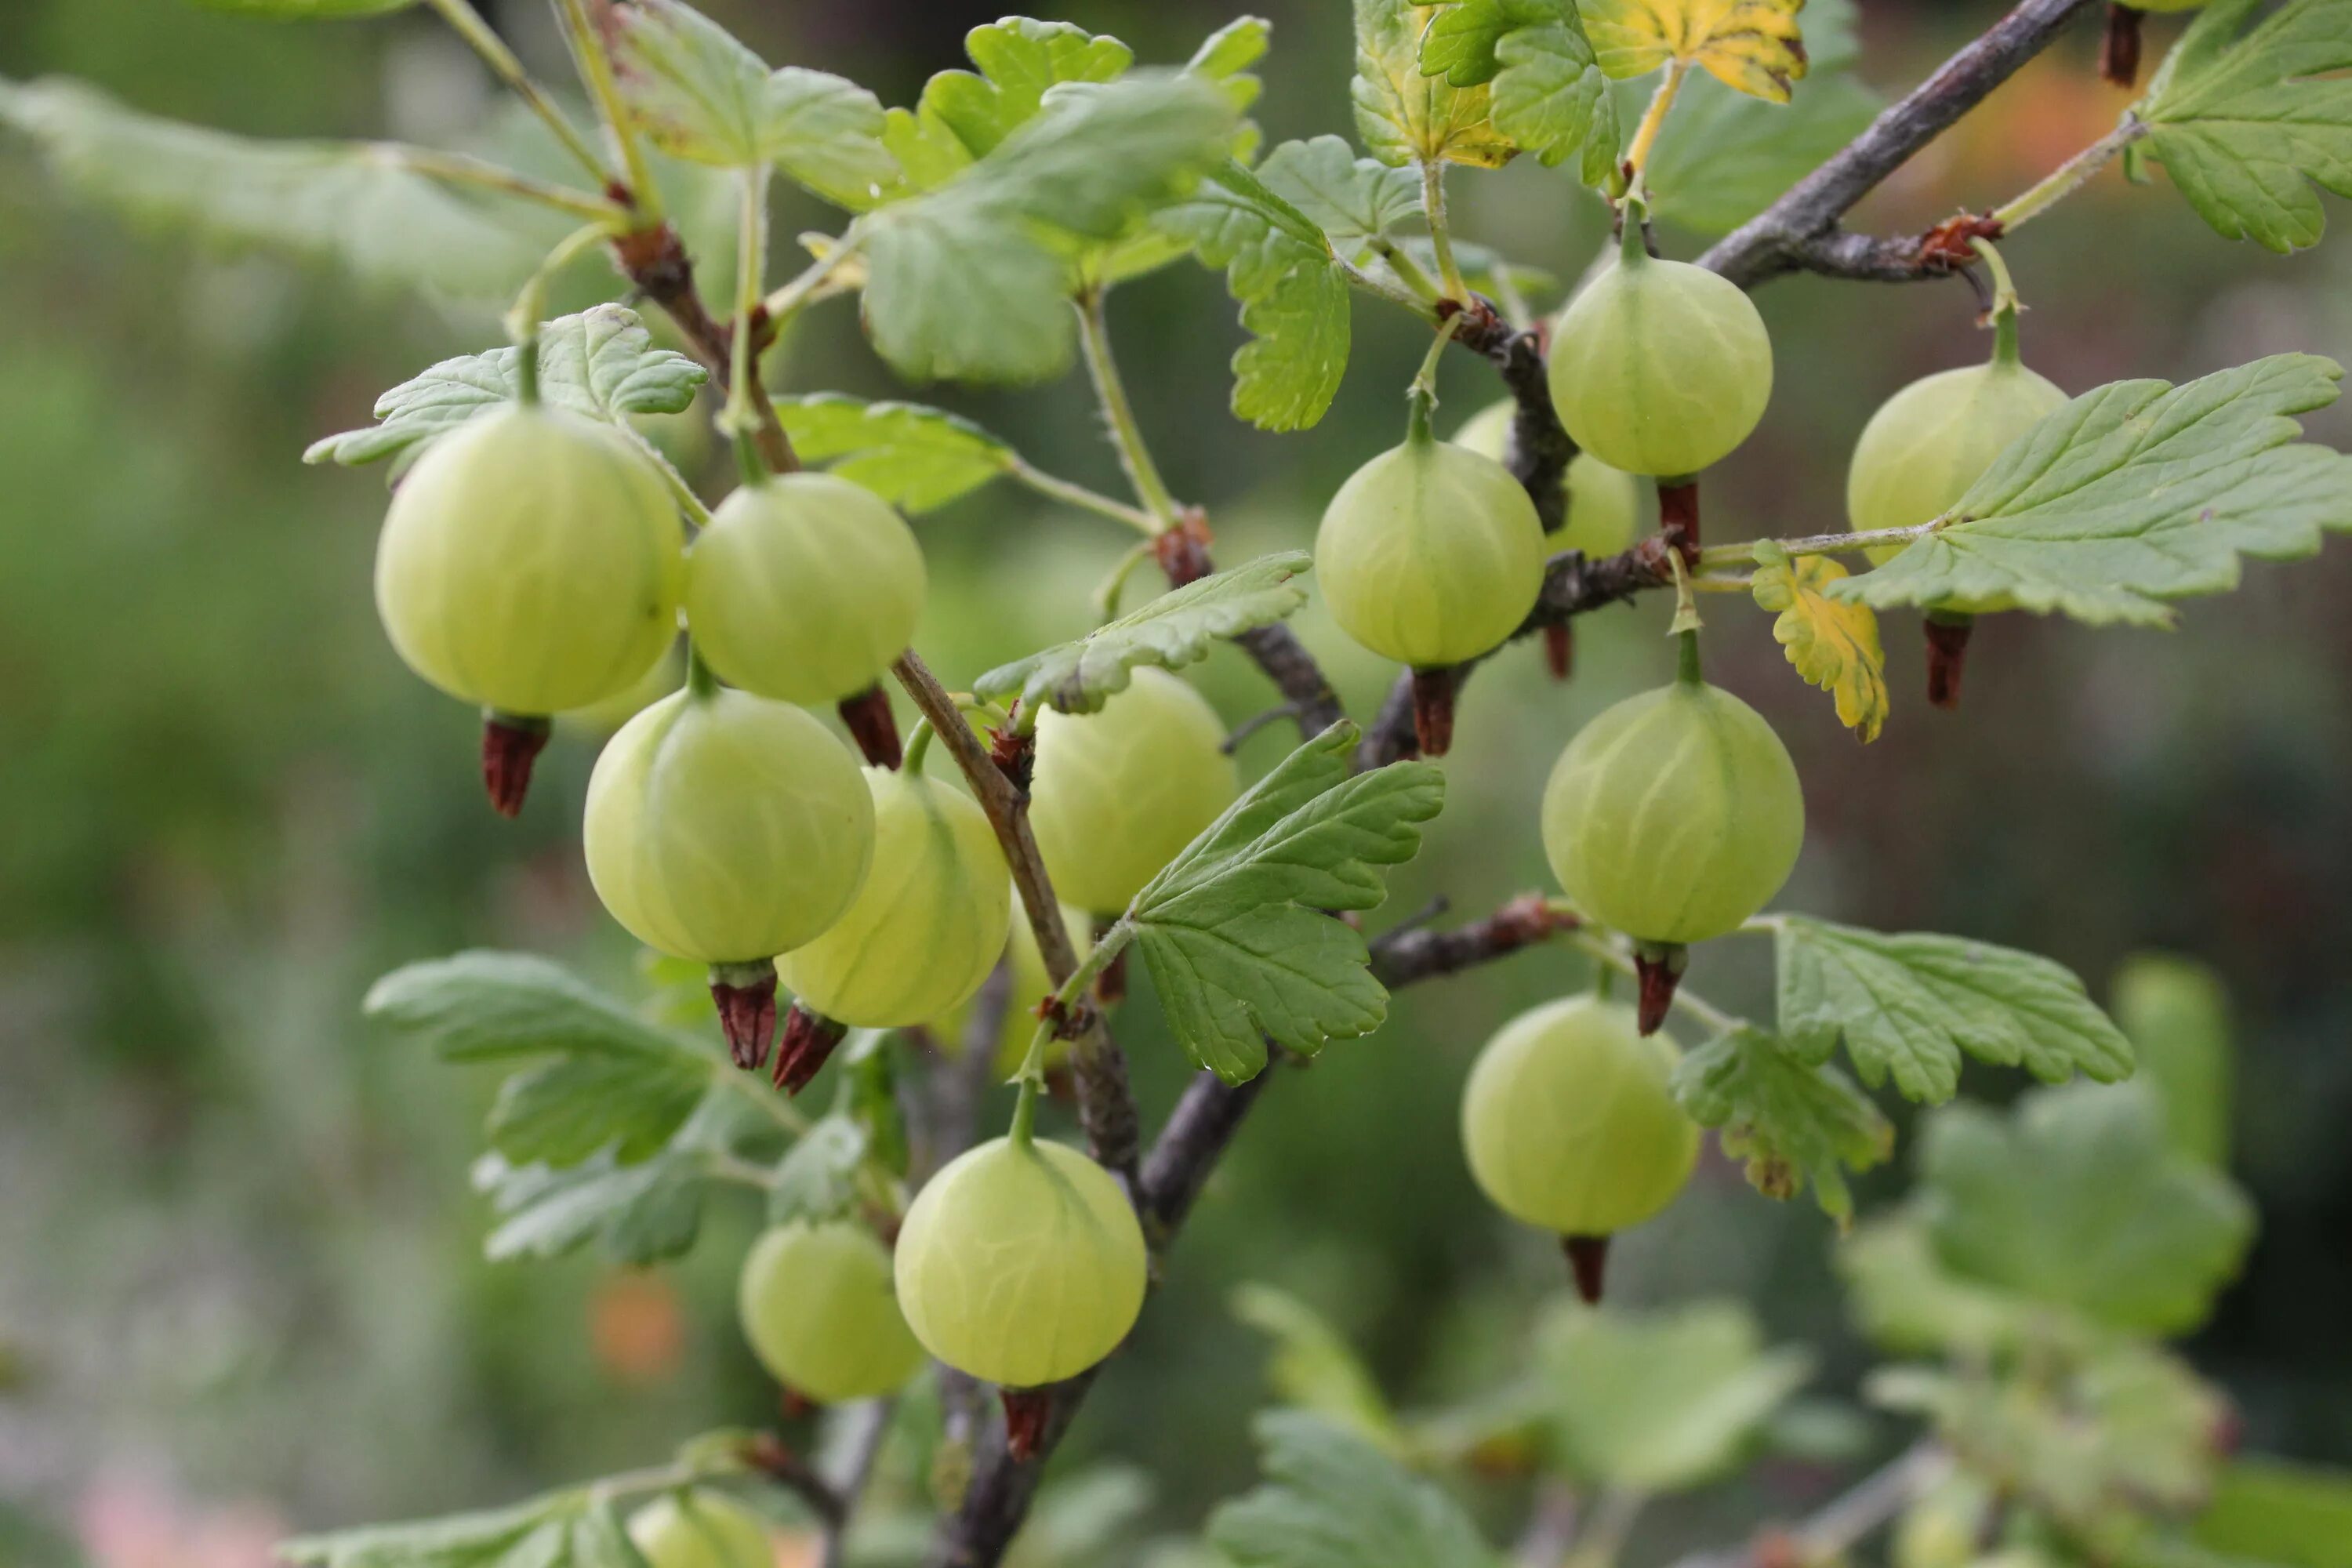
x: 240, y: 1282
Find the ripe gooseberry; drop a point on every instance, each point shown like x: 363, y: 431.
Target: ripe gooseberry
x: 1117, y: 794
x: 1604, y: 504
x: 1660, y: 367
x: 928, y: 923
x: 1570, y: 1121
x: 816, y: 1305
x: 700, y: 1529
x: 1674, y: 816
x: 531, y: 563
x: 1021, y: 1263
x: 1028, y: 985
x: 1431, y: 553
x: 803, y: 588
x: 725, y: 828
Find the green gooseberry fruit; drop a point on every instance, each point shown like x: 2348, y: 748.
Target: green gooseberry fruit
x: 700, y: 1529
x: 1604, y: 504
x: 725, y: 828
x: 1675, y: 814
x: 1028, y: 983
x: 1021, y: 1263
x: 1570, y: 1121
x: 1117, y: 794
x: 927, y: 927
x: 531, y: 563
x: 601, y: 718
x: 817, y: 1306
x: 1660, y: 367
x: 1431, y: 553
x: 803, y: 588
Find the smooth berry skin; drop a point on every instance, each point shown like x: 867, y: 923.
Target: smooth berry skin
x: 1931, y: 441
x: 531, y: 563
x: 1661, y: 368
x: 700, y: 1529
x: 817, y: 1305
x: 1604, y: 504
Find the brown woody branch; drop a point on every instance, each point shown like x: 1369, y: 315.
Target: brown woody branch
x: 656, y: 262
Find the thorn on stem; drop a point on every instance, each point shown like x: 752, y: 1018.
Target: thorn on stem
x: 746, y: 996
x: 1588, y: 1260
x: 873, y: 726
x: 511, y: 745
x: 1947, y: 656
x: 1432, y: 710
x: 806, y: 1044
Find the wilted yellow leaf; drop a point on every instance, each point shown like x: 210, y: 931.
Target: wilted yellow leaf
x: 1832, y: 644
x: 1404, y: 117
x: 1753, y: 46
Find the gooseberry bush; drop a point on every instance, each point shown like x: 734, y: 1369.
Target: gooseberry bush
x: 963, y: 908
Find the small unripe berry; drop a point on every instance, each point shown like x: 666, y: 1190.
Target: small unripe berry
x: 725, y: 828
x: 1021, y: 1263
x: 1604, y: 504
x: 700, y: 1529
x: 1932, y: 440
x: 816, y: 1305
x: 1675, y: 816
x: 1431, y: 553
x: 1569, y: 1120
x: 531, y: 563
x: 928, y: 923
x: 1660, y: 367
x: 803, y: 588
x: 1117, y: 794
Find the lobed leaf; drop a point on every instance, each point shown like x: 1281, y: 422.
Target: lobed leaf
x: 460, y: 1540
x: 1792, y: 1120
x: 2133, y: 496
x: 973, y: 278
x: 1831, y: 645
x: 1351, y: 199
x: 1235, y: 930
x: 494, y: 1006
x: 1548, y: 95
x: 1909, y: 1004
x: 914, y: 458
x: 2078, y: 1199
x: 1313, y: 1369
x: 1753, y: 46
x: 700, y: 95
x: 1294, y: 295
x: 1404, y: 117
x: 1659, y: 1403
x: 640, y: 1214
x: 1173, y: 631
x: 816, y: 1179
x: 2250, y: 111
x: 1333, y: 1500
x: 355, y: 205
x: 1905, y: 1301
x: 601, y: 362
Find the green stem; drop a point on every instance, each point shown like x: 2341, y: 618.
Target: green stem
x: 1381, y: 288
x: 700, y: 682
x: 1686, y: 665
x: 479, y: 173
x: 2068, y: 177
x: 1633, y: 244
x: 1816, y: 545
x: 1094, y: 334
x: 802, y: 289
x: 1407, y: 269
x: 595, y: 68
x: 2005, y: 305
x: 741, y: 418
x: 1441, y: 235
x: 1420, y: 397
x: 919, y: 746
x: 687, y: 502
x: 1066, y: 1000
x: 530, y: 307
x: 1107, y: 596
x: 468, y: 21
x: 1078, y: 496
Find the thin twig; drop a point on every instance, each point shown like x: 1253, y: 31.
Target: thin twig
x: 1411, y: 952
x: 871, y: 1425
x: 1845, y: 1520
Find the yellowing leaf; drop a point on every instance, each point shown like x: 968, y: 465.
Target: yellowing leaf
x: 1753, y: 46
x: 1404, y: 117
x: 1830, y: 644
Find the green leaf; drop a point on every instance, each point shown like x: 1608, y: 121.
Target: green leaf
x: 2247, y: 117
x: 1292, y: 292
x: 1173, y: 631
x: 1332, y: 1499
x: 1403, y: 117
x: 914, y: 458
x: 973, y: 280
x: 816, y: 1179
x: 641, y: 1214
x: 2298, y: 1516
x: 2135, y: 495
x: 1791, y: 1121
x: 1907, y: 1303
x: 305, y: 10
x: 1909, y: 1004
x: 1350, y: 199
x: 492, y: 1537
x: 562, y: 1111
x: 1548, y: 94
x: 600, y: 364
x: 2176, y: 1012
x: 1312, y: 1368
x: 1235, y: 929
x: 1660, y: 1402
x: 354, y: 204
x: 1020, y: 60
x: 700, y: 95
x: 2075, y: 1198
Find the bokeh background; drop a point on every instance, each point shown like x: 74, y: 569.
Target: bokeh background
x: 241, y: 1288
